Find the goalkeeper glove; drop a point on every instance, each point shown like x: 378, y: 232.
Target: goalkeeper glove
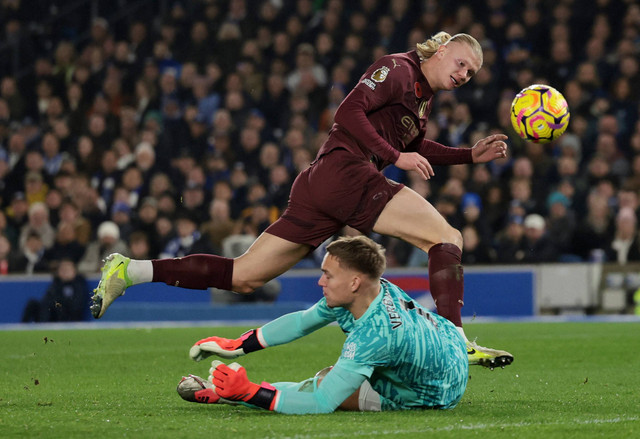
x: 227, y: 348
x: 231, y: 382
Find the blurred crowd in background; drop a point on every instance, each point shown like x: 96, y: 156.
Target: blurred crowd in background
x: 180, y: 129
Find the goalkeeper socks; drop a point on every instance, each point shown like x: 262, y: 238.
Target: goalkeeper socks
x: 198, y: 272
x: 446, y: 280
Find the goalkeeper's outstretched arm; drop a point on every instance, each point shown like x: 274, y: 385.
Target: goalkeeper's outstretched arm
x: 231, y: 383
x: 282, y: 330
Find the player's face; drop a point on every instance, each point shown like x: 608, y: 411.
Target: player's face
x: 457, y: 65
x: 336, y: 282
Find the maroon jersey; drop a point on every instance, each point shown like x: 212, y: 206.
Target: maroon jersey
x: 386, y: 113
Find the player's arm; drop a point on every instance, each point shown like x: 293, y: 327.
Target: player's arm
x: 231, y: 382
x: 485, y: 150
x: 279, y: 331
x: 439, y: 154
x: 367, y: 96
x: 333, y: 390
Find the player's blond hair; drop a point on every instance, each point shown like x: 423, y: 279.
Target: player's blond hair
x: 429, y: 47
x: 359, y: 253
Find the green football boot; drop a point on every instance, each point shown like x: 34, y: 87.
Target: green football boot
x: 112, y: 284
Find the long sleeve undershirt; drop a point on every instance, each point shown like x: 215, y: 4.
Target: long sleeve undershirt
x: 339, y: 383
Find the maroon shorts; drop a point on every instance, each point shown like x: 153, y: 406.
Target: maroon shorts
x: 338, y: 189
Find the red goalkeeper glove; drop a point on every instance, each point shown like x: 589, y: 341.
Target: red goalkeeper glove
x: 225, y: 347
x: 231, y: 382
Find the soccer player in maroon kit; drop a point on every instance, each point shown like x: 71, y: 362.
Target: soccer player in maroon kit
x: 382, y: 121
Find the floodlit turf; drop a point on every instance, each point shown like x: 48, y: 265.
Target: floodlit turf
x: 568, y: 380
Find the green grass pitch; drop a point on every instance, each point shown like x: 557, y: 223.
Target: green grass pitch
x: 568, y: 380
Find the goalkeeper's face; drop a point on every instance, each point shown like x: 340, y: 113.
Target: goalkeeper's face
x: 338, y: 283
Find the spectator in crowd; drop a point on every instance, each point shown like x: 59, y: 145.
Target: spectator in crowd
x: 33, y: 256
x: 8, y: 257
x: 625, y: 246
x: 108, y: 242
x: 17, y: 211
x: 220, y: 224
x: 561, y: 222
x: 139, y: 245
x: 35, y: 187
x: 536, y: 245
x: 66, y: 244
x: 475, y: 250
x: 9, y: 232
x: 121, y: 215
x: 509, y: 240
x: 594, y: 232
x: 70, y: 213
x: 283, y: 71
x: 39, y: 222
x: 145, y: 220
x: 188, y: 240
x: 65, y: 300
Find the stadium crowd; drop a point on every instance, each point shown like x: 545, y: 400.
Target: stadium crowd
x: 182, y: 133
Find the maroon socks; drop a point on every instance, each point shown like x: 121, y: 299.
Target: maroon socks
x: 198, y: 272
x: 447, y: 281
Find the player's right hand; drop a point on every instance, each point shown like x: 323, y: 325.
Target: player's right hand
x: 231, y: 382
x: 412, y: 161
x: 225, y: 347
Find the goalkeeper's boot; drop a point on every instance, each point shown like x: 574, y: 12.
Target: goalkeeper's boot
x: 491, y: 358
x: 112, y: 284
x: 195, y: 389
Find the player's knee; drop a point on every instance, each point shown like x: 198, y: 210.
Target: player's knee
x: 457, y: 238
x: 453, y: 236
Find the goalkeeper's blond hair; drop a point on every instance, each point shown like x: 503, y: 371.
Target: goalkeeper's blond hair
x: 359, y: 253
x: 429, y: 47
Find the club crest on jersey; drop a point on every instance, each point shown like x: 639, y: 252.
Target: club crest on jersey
x: 380, y: 74
x: 349, y: 351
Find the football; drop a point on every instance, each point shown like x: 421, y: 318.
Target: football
x: 539, y: 113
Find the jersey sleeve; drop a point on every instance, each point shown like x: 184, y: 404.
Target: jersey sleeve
x: 379, y: 86
x: 297, y: 324
x: 337, y: 386
x: 439, y: 154
x: 364, y: 350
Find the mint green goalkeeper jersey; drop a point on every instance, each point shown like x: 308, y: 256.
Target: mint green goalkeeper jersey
x: 411, y: 357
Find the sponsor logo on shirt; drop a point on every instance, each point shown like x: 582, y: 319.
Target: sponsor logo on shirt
x: 412, y: 130
x: 369, y: 83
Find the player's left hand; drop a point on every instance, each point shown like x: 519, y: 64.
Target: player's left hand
x: 225, y: 347
x: 490, y: 148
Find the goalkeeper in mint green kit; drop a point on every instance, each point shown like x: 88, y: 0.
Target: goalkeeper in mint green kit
x: 396, y: 356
